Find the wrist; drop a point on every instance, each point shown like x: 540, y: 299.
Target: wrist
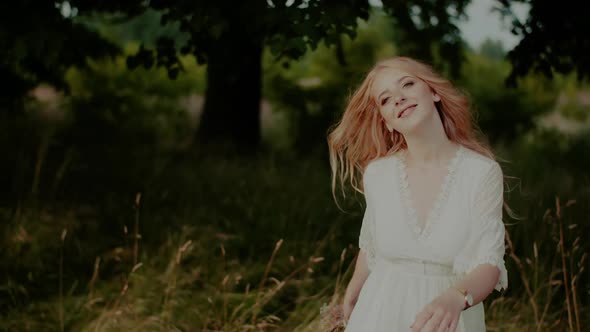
x: 465, y: 297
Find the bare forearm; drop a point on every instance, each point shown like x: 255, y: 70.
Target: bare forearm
x: 480, y: 282
x: 443, y: 312
x: 361, y: 272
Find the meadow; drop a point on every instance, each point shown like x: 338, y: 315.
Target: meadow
x: 114, y: 218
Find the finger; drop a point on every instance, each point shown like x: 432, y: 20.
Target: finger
x: 433, y: 323
x: 420, y: 320
x: 444, y: 324
x: 453, y: 326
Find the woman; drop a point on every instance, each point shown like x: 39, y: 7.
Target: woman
x: 432, y: 237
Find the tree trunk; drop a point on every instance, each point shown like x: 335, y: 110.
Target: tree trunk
x: 232, y: 100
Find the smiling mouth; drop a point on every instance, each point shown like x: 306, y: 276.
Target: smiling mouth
x: 411, y: 107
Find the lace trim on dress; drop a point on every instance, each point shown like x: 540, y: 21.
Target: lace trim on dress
x: 466, y: 267
x: 438, y: 202
x: 367, y: 245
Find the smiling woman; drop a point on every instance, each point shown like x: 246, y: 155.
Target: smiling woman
x: 432, y: 237
x: 399, y: 95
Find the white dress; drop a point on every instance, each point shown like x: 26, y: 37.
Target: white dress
x: 410, y: 266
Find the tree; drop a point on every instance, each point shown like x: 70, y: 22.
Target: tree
x: 554, y: 37
x: 428, y: 31
x: 38, y: 43
x: 229, y: 36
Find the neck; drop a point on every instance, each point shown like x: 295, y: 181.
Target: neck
x: 428, y: 145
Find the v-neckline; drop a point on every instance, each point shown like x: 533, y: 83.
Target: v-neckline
x: 433, y: 214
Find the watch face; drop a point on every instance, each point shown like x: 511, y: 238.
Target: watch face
x: 469, y: 299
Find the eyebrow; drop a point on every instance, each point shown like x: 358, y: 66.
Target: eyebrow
x: 398, y: 81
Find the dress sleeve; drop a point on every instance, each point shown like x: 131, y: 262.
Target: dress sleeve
x: 367, y: 237
x: 367, y: 233
x: 486, y: 241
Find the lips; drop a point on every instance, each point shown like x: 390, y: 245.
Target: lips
x: 408, y: 108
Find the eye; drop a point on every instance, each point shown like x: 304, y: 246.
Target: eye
x: 384, y: 101
x: 408, y: 84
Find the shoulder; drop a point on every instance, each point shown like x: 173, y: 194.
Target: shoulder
x: 379, y: 169
x: 379, y: 166
x: 481, y: 166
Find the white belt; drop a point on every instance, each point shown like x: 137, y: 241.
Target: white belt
x: 417, y: 266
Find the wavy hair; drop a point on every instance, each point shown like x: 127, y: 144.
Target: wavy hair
x: 361, y: 136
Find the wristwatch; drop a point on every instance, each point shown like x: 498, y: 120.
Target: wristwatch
x: 467, y: 296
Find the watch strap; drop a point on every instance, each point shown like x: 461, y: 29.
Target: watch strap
x: 463, y: 292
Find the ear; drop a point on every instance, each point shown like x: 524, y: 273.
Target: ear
x: 435, y: 97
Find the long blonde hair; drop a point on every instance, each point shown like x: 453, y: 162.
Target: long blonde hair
x: 361, y: 136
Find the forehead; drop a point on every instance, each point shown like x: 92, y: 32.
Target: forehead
x: 386, y: 78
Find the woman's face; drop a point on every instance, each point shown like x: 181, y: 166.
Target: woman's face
x: 404, y: 100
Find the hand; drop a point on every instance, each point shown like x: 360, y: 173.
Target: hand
x: 440, y: 315
x: 331, y: 317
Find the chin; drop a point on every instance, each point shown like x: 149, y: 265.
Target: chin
x: 420, y: 121
x: 410, y: 125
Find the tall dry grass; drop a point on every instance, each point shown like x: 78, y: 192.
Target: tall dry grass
x: 257, y: 245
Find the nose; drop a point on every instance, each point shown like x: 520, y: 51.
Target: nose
x: 399, y: 100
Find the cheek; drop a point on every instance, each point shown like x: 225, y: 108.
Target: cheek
x: 387, y: 114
